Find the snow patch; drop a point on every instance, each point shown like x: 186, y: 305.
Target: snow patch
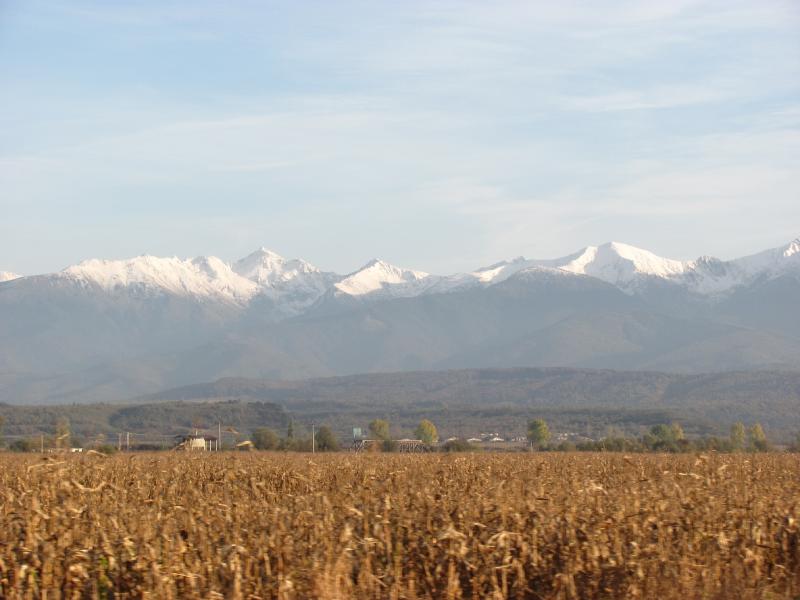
x: 8, y: 276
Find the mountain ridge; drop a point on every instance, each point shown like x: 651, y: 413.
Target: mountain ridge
x: 301, y: 284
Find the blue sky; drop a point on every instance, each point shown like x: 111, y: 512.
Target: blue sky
x: 436, y: 135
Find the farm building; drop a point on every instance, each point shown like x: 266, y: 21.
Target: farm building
x: 195, y: 442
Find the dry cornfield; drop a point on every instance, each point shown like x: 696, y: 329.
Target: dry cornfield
x: 400, y: 526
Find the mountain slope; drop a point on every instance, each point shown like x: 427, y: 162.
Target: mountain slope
x: 50, y: 326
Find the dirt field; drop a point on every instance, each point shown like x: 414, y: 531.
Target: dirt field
x: 400, y: 526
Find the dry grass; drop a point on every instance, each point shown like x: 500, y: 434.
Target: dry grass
x: 434, y: 526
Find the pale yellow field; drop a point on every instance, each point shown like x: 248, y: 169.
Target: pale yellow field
x: 400, y: 526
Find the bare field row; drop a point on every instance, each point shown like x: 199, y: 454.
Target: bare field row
x: 265, y: 525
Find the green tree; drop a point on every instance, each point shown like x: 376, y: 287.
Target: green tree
x: 265, y: 439
x: 296, y: 444
x: 661, y: 438
x: 737, y: 436
x: 677, y: 432
x: 325, y: 441
x: 758, y: 439
x: 538, y: 433
x: 426, y: 431
x: 106, y: 449
x: 290, y: 429
x: 662, y: 433
x: 379, y: 429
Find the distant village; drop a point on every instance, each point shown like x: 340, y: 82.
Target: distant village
x: 204, y: 440
x: 377, y: 438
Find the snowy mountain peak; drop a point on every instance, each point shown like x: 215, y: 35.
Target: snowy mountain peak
x: 377, y: 265
x: 8, y: 276
x: 378, y: 276
x: 771, y: 262
x: 266, y: 267
x: 621, y: 264
x: 503, y: 263
x: 212, y: 266
x: 501, y: 271
x: 199, y: 277
x: 291, y: 284
x: 263, y: 256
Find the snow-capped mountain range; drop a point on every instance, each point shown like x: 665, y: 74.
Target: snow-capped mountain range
x: 110, y: 329
x: 294, y: 285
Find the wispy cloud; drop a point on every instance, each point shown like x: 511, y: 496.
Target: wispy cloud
x: 254, y: 167
x: 657, y: 97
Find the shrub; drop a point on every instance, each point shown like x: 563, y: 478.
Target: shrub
x: 325, y: 441
x: 265, y: 439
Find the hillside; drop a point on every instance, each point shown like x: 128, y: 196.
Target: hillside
x: 464, y: 400
x: 154, y: 420
x: 460, y: 402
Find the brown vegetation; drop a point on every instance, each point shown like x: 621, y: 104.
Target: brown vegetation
x: 388, y: 526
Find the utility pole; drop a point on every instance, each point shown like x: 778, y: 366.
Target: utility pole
x: 119, y: 441
x: 41, y: 441
x: 128, y: 441
x: 219, y: 435
x: 313, y: 440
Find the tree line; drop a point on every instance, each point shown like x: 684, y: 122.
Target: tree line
x: 324, y: 440
x: 660, y: 438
